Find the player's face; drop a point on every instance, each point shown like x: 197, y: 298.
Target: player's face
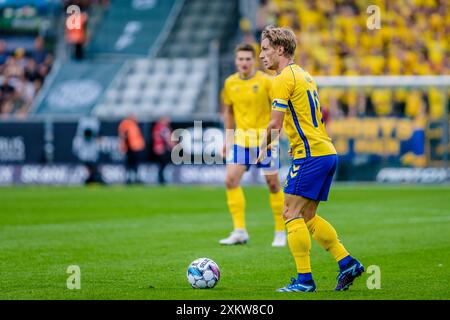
x: 245, y: 62
x: 268, y: 55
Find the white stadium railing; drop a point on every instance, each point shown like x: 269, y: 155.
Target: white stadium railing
x: 383, y: 81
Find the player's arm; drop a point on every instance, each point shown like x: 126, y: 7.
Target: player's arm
x: 272, y: 132
x: 229, y: 122
x: 269, y: 88
x: 282, y: 87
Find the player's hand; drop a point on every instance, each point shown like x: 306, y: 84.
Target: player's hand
x: 262, y: 154
x: 224, y: 150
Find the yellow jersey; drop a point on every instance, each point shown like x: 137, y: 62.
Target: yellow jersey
x: 295, y: 93
x: 250, y: 100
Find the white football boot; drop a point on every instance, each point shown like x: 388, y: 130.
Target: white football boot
x: 236, y: 237
x: 280, y: 239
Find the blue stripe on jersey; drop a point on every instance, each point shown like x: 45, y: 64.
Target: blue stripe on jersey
x: 313, y: 108
x: 300, y: 132
x: 279, y: 105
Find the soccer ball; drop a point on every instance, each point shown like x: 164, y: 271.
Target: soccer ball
x: 203, y: 273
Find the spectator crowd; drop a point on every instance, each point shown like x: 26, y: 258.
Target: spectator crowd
x: 22, y: 72
x: 334, y: 40
x: 21, y: 76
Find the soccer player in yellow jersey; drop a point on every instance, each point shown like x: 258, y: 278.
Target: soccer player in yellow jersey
x: 296, y: 107
x: 247, y: 103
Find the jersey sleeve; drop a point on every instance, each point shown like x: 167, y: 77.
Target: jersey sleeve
x: 282, y: 87
x: 225, y: 95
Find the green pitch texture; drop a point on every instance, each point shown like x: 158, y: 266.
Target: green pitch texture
x: 136, y: 243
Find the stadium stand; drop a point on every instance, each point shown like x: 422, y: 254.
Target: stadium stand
x: 175, y: 81
x: 152, y: 88
x: 155, y: 55
x: 159, y: 52
x: 194, y: 30
x: 26, y: 43
x: 31, y: 32
x: 22, y: 75
x: 334, y: 40
x: 131, y: 27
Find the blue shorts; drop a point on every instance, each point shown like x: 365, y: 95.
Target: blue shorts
x: 311, y: 177
x: 248, y: 157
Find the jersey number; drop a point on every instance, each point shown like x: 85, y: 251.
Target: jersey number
x: 315, y: 106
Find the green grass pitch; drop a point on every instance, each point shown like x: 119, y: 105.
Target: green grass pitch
x: 136, y: 243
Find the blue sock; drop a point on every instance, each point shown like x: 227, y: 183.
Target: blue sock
x: 304, y: 277
x: 343, y: 262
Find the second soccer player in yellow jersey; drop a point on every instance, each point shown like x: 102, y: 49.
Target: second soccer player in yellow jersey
x: 247, y: 107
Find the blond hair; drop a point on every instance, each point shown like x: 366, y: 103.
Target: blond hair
x: 281, y: 37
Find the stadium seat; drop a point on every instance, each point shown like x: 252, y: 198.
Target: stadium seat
x: 167, y: 86
x: 142, y: 65
x: 135, y: 80
x: 180, y: 64
x: 162, y: 66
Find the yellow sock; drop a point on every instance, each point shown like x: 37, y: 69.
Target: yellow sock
x: 299, y: 244
x: 324, y: 233
x: 236, y: 205
x: 276, y: 203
